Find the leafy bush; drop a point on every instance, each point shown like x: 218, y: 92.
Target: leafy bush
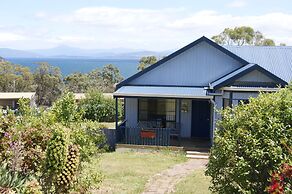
x: 88, y: 136
x: 99, y: 108
x: 251, y: 141
x: 65, y: 109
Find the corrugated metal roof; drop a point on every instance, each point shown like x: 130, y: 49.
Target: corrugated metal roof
x: 276, y: 59
x: 166, y: 92
x: 16, y: 95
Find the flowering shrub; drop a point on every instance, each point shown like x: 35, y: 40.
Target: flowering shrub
x: 281, y: 181
x: 49, y: 145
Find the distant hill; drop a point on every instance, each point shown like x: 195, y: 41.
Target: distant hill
x: 2, y: 59
x: 12, y: 53
x: 72, y: 52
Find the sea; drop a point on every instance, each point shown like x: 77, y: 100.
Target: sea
x: 67, y: 66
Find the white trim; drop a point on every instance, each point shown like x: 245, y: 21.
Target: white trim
x: 250, y: 89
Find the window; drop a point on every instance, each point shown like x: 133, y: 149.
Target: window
x: 159, y: 111
x: 243, y: 101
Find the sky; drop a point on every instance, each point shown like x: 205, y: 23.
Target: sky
x: 156, y: 25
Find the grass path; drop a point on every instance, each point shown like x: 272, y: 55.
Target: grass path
x: 196, y: 183
x: 165, y: 181
x: 128, y: 172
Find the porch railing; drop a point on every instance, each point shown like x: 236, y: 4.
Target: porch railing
x: 138, y: 136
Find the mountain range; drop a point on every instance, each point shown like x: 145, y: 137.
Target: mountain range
x: 73, y: 52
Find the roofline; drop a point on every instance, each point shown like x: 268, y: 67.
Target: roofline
x: 178, y: 52
x: 248, y: 70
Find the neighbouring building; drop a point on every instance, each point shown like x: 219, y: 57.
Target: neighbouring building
x: 10, y: 99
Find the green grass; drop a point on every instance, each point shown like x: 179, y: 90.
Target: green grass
x: 196, y: 183
x: 128, y: 172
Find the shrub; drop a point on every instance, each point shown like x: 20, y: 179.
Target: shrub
x: 89, y: 137
x: 65, y: 109
x: 99, y: 108
x: 251, y: 141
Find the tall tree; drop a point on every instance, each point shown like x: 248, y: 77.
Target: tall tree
x: 110, y: 76
x: 145, y: 62
x: 243, y: 35
x: 77, y: 82
x: 49, y: 83
x: 15, y: 78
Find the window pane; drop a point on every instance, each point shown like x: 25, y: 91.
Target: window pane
x: 161, y: 111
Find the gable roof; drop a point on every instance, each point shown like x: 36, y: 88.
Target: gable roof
x: 171, y: 56
x: 231, y: 77
x: 275, y: 59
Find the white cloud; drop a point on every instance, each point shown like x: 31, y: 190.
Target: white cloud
x: 155, y: 29
x: 7, y: 37
x: 237, y: 3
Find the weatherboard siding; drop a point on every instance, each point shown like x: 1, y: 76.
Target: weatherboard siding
x: 131, y: 112
x: 255, y: 76
x: 197, y: 66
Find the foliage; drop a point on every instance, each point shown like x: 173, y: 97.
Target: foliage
x: 68, y: 174
x: 49, y: 84
x: 145, y: 62
x: 281, y: 180
x: 11, y: 181
x: 56, y: 153
x: 24, y: 106
x: 251, y: 141
x: 241, y: 36
x: 65, y: 109
x: 110, y: 75
x: 45, y: 143
x: 89, y: 178
x: 77, y: 82
x: 99, y: 108
x: 102, y: 79
x: 15, y: 78
x: 88, y: 136
x: 32, y: 187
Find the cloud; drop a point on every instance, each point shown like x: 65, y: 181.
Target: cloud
x: 153, y: 29
x: 7, y: 37
x: 237, y: 4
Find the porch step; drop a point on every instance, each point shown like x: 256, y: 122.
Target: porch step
x: 197, y: 155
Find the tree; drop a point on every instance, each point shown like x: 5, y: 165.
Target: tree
x: 49, y: 84
x: 77, y: 82
x: 110, y: 76
x: 251, y: 142
x: 243, y: 35
x: 145, y: 62
x: 15, y: 78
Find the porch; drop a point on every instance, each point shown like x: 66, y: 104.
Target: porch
x: 164, y: 116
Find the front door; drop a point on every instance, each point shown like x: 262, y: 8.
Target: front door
x: 201, y: 119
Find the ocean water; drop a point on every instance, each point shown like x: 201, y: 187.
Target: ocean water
x: 67, y: 66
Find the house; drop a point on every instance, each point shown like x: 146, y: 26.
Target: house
x: 10, y: 99
x: 177, y: 97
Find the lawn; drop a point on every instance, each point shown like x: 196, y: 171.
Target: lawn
x: 197, y: 183
x: 128, y: 171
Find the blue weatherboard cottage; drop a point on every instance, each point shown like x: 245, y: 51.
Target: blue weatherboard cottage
x: 174, y: 101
